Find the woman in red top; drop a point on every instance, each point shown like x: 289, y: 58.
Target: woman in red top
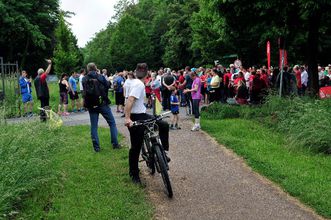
x: 203, y: 78
x: 155, y: 86
x: 297, y: 72
x: 181, y: 87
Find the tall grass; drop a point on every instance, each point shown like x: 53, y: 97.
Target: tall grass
x: 305, y: 121
x: 26, y: 152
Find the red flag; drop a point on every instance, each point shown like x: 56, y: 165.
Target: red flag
x: 268, y: 56
x: 281, y: 53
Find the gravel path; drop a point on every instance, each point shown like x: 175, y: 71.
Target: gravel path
x: 210, y: 182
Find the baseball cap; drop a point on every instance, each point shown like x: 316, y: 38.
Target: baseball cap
x: 141, y: 70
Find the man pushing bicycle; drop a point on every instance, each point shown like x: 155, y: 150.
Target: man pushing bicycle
x: 135, y: 110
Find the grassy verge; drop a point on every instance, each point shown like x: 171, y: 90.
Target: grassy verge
x: 71, y: 181
x: 302, y: 173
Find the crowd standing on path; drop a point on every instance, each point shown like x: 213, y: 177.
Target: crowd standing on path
x: 136, y: 91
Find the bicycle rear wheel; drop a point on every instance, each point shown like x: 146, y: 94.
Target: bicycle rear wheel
x: 160, y: 162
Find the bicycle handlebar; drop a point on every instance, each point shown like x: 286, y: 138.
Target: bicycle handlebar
x: 151, y: 120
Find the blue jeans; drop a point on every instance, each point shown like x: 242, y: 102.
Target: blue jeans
x: 94, y: 118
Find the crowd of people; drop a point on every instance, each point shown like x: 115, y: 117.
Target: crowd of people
x: 136, y: 91
x: 173, y: 88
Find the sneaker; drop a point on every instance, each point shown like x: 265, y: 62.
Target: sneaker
x: 30, y: 114
x: 117, y: 146
x: 123, y: 116
x: 195, y: 128
x: 178, y: 127
x: 172, y: 127
x: 136, y: 179
x: 97, y: 150
x: 65, y: 114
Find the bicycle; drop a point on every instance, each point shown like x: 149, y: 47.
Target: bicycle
x: 54, y: 119
x: 152, y: 150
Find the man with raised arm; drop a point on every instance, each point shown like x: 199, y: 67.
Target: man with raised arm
x: 135, y: 110
x: 42, y: 90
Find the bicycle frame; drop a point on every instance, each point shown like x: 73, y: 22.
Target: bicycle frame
x: 152, y: 151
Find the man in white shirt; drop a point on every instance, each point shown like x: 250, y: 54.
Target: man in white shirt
x: 136, y: 110
x: 304, y: 79
x: 80, y: 82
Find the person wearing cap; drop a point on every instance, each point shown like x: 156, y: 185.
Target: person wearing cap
x: 135, y: 110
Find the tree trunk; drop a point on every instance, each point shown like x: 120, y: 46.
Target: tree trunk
x: 313, y: 37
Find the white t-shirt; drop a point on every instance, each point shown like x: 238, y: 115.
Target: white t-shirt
x: 81, y: 82
x: 304, y: 78
x: 247, y: 75
x: 159, y: 77
x: 127, y: 87
x: 137, y: 90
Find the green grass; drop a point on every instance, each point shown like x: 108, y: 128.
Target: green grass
x: 55, y: 174
x: 301, y: 173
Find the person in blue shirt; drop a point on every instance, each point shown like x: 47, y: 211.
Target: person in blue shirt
x: 73, y: 93
x: 174, y: 103
x: 118, y: 87
x: 25, y: 87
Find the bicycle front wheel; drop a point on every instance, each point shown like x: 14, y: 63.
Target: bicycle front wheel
x: 161, y: 164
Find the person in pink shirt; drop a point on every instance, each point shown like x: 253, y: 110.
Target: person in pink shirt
x: 196, y: 97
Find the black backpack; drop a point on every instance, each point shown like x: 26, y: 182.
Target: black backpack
x: 95, y: 94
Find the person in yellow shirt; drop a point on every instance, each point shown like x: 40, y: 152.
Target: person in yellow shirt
x: 215, y: 87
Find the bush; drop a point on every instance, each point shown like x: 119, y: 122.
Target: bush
x: 220, y: 111
x: 26, y: 154
x: 304, y: 120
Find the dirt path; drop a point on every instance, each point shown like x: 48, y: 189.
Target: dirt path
x: 210, y: 182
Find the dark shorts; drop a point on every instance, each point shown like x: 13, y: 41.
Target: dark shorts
x: 72, y: 96
x: 119, y: 98
x: 175, y: 112
x: 26, y: 97
x: 203, y: 90
x: 148, y: 95
x: 64, y: 98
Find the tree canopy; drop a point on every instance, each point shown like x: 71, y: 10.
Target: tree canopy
x: 27, y: 31
x: 177, y: 33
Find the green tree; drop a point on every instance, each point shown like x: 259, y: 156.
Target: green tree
x: 178, y: 38
x: 209, y: 38
x: 129, y: 44
x: 98, y: 50
x: 66, y: 54
x: 300, y: 22
x: 27, y: 30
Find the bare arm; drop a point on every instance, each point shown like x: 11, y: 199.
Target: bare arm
x: 127, y: 110
x: 66, y: 83
x: 71, y: 89
x: 48, y: 70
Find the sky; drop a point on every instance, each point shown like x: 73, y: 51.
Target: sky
x: 90, y: 17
